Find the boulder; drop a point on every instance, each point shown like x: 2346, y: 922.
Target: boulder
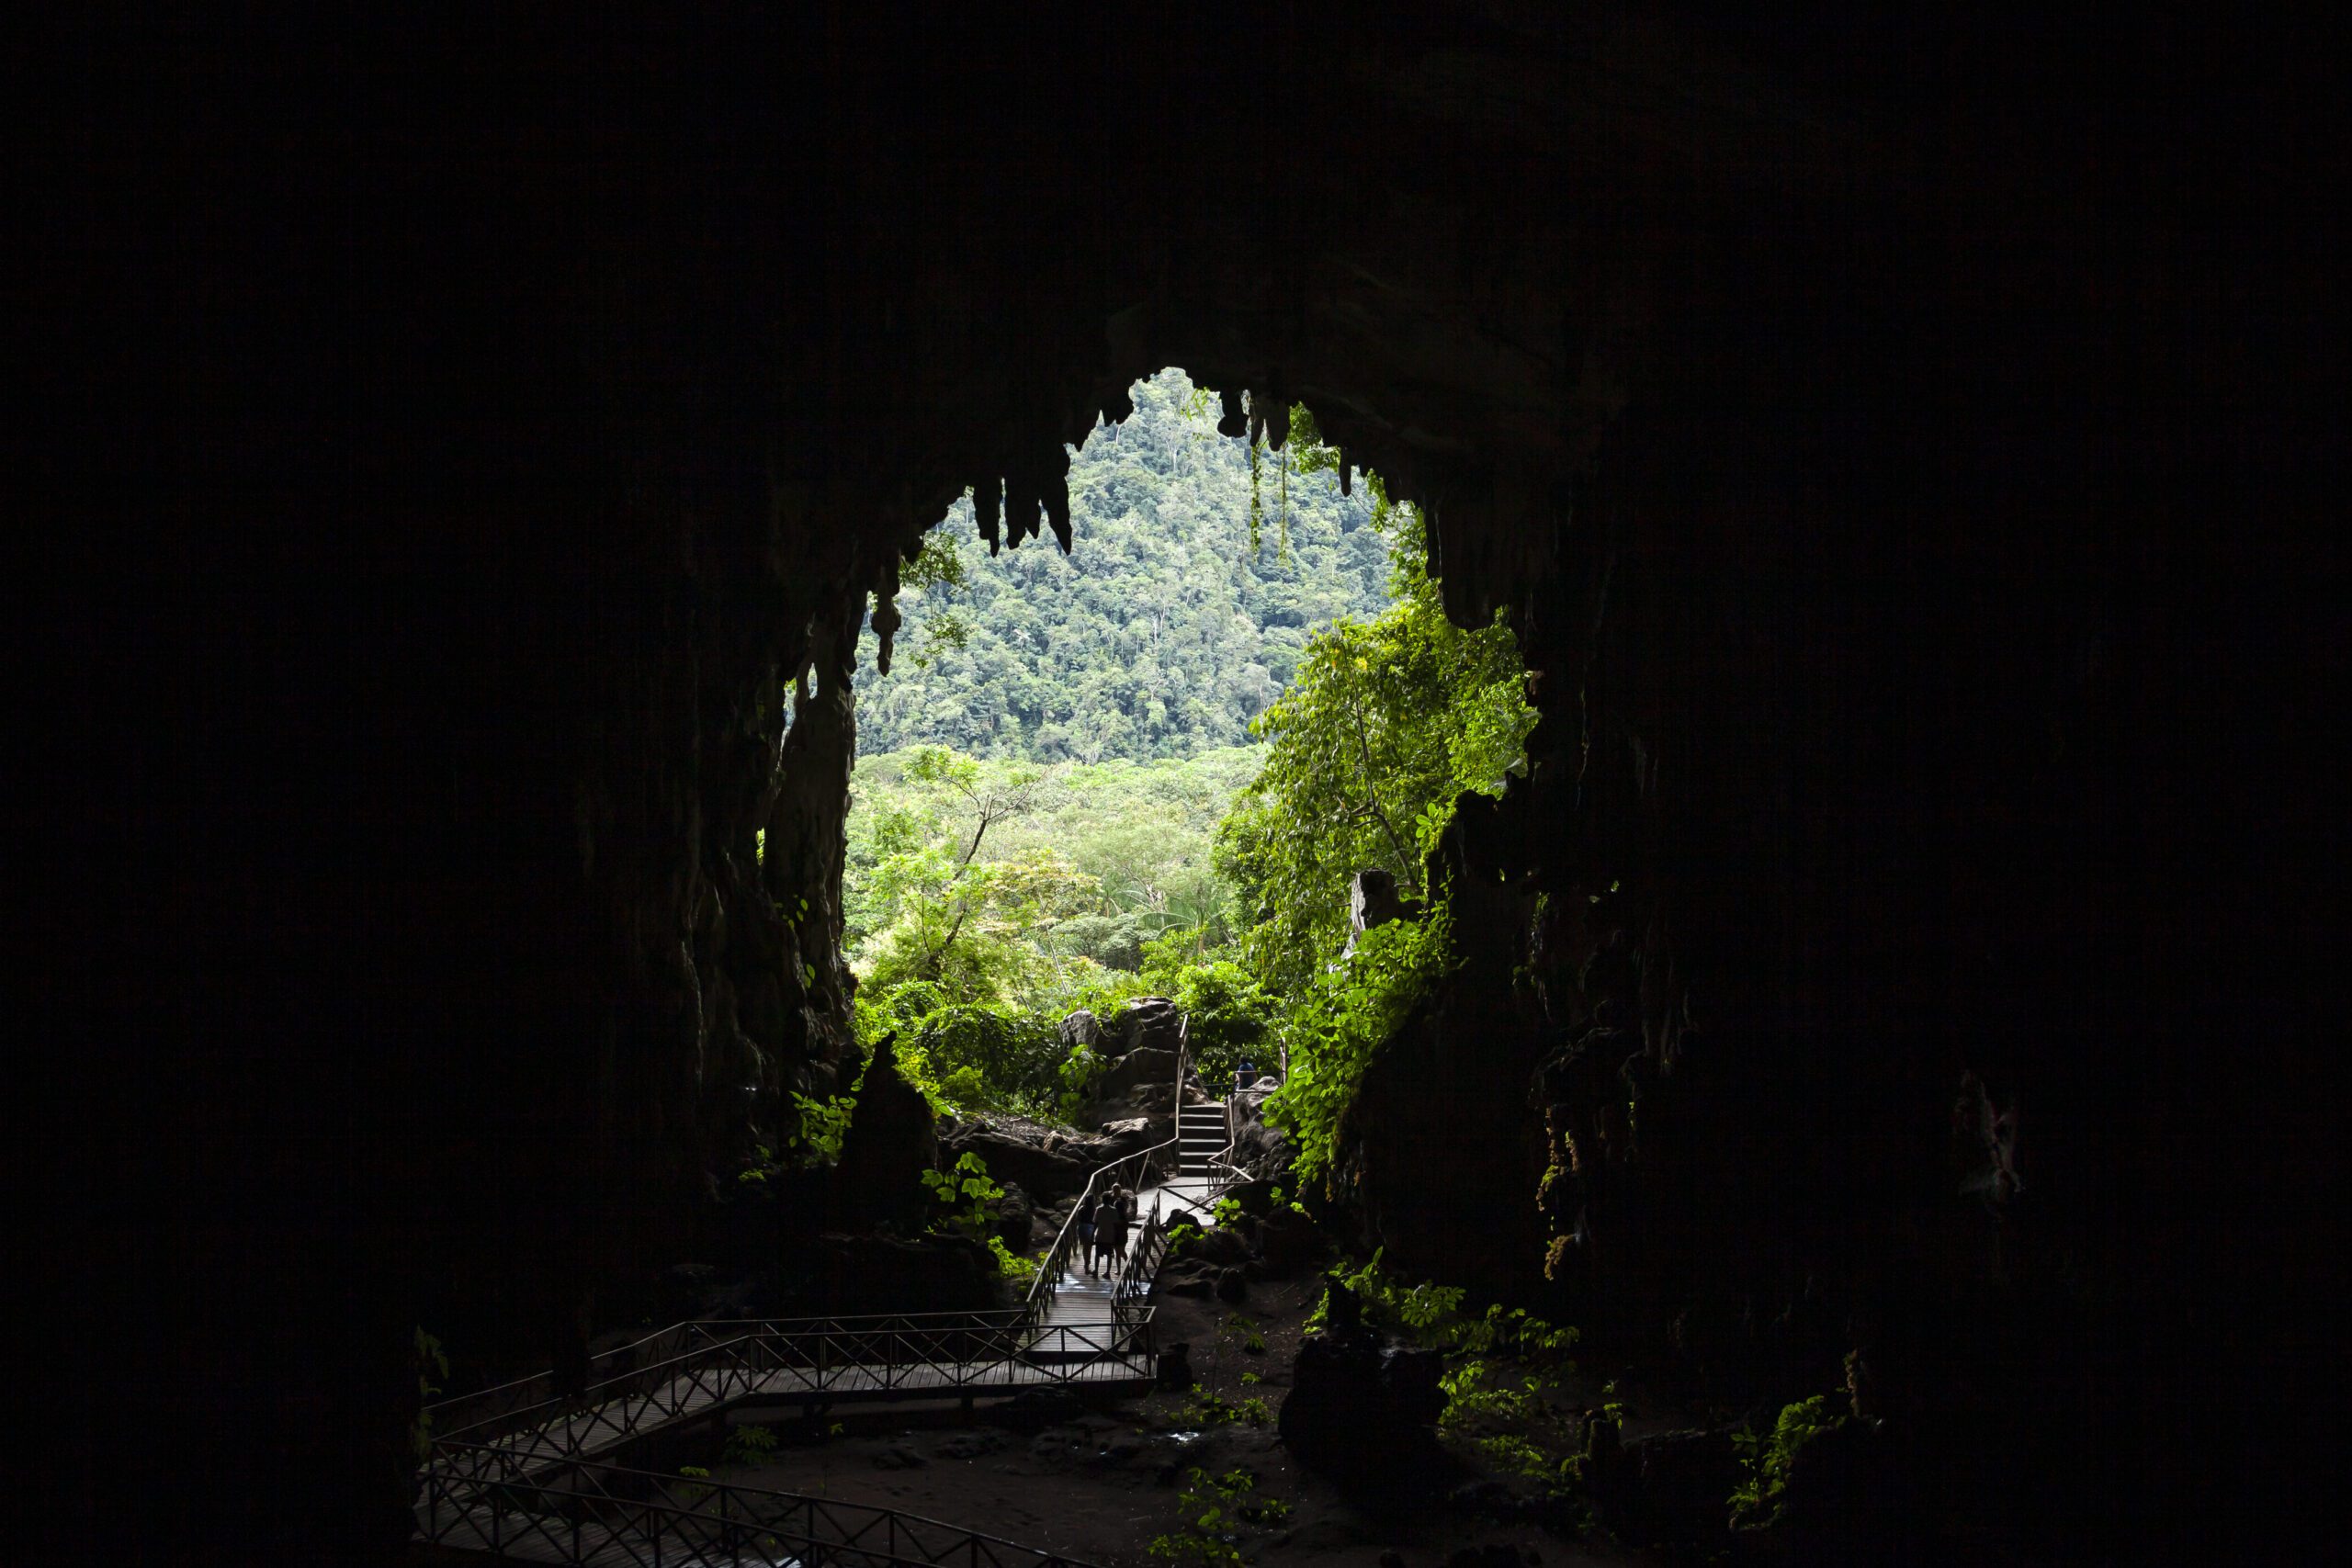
x: 1222, y: 1247
x: 1364, y: 1415
x: 1144, y: 1023
x: 1014, y: 1216
x: 892, y: 1140
x: 1080, y: 1028
x: 1844, y: 1487
x: 1494, y: 1555
x: 1263, y: 1149
x: 1127, y: 1135
x: 1153, y: 1065
x: 1046, y: 1162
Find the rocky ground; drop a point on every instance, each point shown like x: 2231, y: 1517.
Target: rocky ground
x: 1100, y: 1483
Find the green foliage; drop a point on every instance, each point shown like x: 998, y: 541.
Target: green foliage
x: 1075, y: 1078
x: 1432, y: 1315
x: 694, y: 1490
x: 1209, y: 1408
x: 1347, y: 1011
x: 1213, y: 1510
x: 1013, y: 1265
x: 1386, y: 724
x: 1502, y: 1412
x: 748, y: 1445
x: 1165, y: 632
x: 1768, y: 1457
x: 1231, y: 1015
x: 1072, y: 870
x: 964, y: 1194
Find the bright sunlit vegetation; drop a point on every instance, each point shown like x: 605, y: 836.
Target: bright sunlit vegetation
x: 1153, y: 768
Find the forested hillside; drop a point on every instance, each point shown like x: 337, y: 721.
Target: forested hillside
x: 1167, y: 630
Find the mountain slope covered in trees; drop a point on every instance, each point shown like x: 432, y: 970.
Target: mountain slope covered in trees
x: 1166, y: 631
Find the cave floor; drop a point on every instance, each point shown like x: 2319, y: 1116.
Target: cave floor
x: 1100, y: 1486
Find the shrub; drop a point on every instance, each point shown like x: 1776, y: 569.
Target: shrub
x: 1212, y: 1509
x: 1769, y: 1458
x: 964, y: 1194
x: 1348, y: 1013
x: 748, y: 1445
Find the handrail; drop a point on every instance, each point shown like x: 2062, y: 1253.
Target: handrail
x: 440, y: 1407
x: 485, y: 1497
x: 986, y: 1350
x: 1056, y: 1263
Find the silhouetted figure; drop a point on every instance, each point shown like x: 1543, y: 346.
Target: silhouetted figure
x: 1111, y: 1227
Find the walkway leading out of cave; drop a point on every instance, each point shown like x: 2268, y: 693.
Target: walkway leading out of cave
x: 1082, y: 1336
x: 536, y: 1489
x: 1082, y: 1297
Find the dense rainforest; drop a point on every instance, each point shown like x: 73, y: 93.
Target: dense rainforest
x: 1157, y: 766
x: 1201, y: 564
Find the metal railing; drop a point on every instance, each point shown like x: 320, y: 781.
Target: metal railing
x: 1131, y: 1284
x: 817, y: 1359
x: 1135, y: 1172
x: 487, y: 1499
x: 486, y: 1406
x: 511, y: 1470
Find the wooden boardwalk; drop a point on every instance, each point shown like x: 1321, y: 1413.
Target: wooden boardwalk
x: 1082, y: 1297
x: 1084, y: 1359
x: 544, y: 1489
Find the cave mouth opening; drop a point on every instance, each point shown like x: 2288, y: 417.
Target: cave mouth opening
x: 1195, y: 754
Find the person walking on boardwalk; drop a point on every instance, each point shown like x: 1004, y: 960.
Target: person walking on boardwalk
x: 1111, y: 1227
x: 1086, y: 1231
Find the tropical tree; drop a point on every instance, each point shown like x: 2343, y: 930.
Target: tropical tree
x: 1387, y: 721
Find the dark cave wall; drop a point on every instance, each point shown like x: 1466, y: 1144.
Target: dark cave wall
x: 1904, y: 514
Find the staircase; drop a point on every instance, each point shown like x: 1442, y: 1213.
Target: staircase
x: 1200, y: 1137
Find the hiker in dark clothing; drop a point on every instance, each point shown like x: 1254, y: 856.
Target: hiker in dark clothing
x: 1111, y: 1227
x: 1086, y: 1234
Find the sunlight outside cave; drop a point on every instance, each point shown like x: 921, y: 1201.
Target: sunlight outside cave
x: 1169, y: 763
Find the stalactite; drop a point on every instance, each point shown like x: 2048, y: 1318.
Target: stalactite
x: 1233, y: 421
x: 985, y: 501
x: 1057, y: 508
x: 886, y: 612
x: 1020, y: 510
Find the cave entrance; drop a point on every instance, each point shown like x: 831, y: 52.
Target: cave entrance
x: 1194, y: 754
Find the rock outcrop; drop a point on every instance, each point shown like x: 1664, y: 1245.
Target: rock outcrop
x: 1146, y: 1023
x: 892, y: 1141
x: 1364, y: 1414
